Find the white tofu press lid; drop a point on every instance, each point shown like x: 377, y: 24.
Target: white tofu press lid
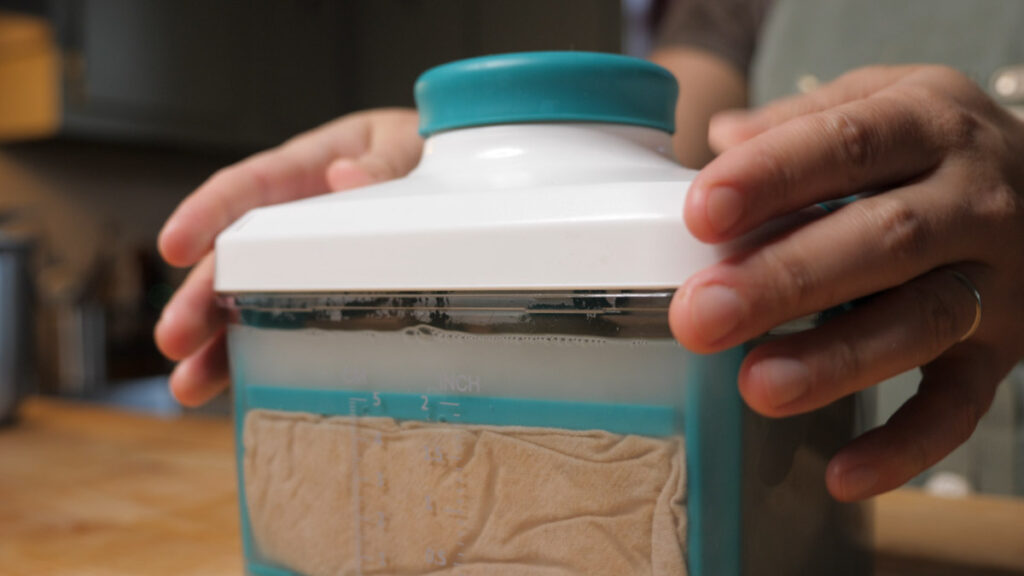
x: 540, y: 171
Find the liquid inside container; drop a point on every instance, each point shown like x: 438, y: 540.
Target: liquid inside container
x: 470, y: 370
x: 480, y: 430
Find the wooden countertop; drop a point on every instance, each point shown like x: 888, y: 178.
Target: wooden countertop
x: 90, y: 491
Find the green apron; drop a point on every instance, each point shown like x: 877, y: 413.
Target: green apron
x: 807, y: 42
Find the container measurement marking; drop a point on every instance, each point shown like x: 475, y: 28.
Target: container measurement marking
x: 456, y: 404
x: 355, y: 479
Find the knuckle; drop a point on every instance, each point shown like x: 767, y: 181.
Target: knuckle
x: 901, y: 230
x: 947, y: 107
x: 1000, y: 206
x: 795, y: 280
x: 260, y: 176
x: 778, y: 172
x: 947, y: 83
x: 394, y: 165
x: 855, y: 141
x: 846, y: 362
x: 409, y: 155
x: 923, y: 101
x: 379, y: 167
x: 961, y: 128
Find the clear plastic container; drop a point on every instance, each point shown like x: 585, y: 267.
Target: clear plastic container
x: 698, y: 478
x: 563, y: 390
x: 470, y: 370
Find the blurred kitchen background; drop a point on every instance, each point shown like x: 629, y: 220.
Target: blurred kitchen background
x: 111, y: 111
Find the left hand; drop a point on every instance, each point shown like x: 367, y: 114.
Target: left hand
x: 355, y: 150
x: 949, y: 163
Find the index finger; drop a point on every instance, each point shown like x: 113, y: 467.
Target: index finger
x: 291, y: 171
x: 877, y: 141
x: 732, y: 127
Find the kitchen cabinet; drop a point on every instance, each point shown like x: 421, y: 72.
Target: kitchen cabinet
x: 250, y: 73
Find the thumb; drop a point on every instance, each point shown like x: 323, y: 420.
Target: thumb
x: 375, y: 165
x: 393, y: 149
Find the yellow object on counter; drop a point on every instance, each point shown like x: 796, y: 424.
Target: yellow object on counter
x: 29, y: 83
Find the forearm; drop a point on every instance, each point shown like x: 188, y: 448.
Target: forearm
x: 707, y: 84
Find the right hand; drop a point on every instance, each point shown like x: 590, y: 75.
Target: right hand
x: 354, y: 150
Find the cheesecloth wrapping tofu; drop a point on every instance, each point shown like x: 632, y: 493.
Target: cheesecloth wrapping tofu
x: 331, y: 496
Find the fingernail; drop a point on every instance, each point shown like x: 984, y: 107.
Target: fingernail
x: 859, y: 481
x: 724, y: 207
x: 782, y: 380
x: 716, y: 311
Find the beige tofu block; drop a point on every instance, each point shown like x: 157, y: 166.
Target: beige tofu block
x: 341, y: 495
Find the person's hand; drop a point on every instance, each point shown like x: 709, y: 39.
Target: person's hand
x: 949, y: 165
x: 354, y: 150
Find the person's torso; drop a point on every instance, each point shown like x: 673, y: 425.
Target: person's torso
x: 805, y: 43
